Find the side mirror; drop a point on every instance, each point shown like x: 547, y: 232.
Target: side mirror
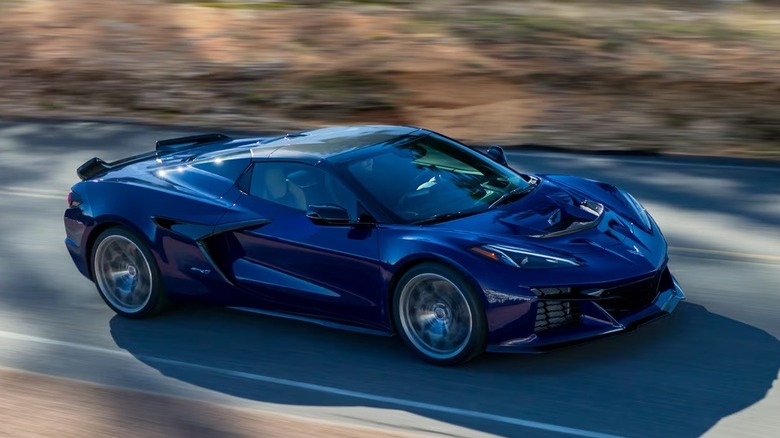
x: 328, y: 214
x: 496, y: 153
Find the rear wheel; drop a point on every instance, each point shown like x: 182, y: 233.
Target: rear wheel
x: 126, y: 274
x: 438, y: 315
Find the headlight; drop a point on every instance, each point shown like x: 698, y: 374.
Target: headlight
x: 522, y: 258
x: 639, y: 212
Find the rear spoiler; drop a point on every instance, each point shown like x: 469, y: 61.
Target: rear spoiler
x: 183, y: 143
x: 92, y: 168
x: 96, y: 166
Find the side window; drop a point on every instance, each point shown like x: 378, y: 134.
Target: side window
x: 299, y: 185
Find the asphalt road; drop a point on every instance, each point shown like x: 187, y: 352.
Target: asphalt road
x: 711, y: 368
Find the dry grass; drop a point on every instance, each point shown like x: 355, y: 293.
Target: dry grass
x: 697, y: 77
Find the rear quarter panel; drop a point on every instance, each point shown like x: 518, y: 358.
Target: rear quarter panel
x: 138, y: 205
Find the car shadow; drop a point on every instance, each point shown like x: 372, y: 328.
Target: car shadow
x: 676, y: 377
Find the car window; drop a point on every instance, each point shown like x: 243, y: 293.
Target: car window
x: 298, y: 185
x: 431, y: 177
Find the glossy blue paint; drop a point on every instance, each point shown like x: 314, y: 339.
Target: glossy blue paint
x: 216, y: 243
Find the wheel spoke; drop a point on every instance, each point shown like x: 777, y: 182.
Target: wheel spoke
x: 122, y: 273
x: 435, y: 315
x: 116, y: 274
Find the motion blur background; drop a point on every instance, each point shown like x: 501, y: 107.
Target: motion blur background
x: 694, y: 76
x: 679, y: 76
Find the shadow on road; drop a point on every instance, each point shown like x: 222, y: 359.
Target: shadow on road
x: 676, y: 377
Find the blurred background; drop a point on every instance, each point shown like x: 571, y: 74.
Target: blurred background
x: 692, y: 76
x: 697, y: 77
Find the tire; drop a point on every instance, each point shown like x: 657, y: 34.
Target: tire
x: 438, y: 315
x: 126, y: 274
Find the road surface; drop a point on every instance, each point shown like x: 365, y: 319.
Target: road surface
x: 711, y: 368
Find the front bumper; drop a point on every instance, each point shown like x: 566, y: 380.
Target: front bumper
x: 596, y: 322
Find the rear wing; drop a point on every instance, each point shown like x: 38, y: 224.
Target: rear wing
x: 184, y: 143
x: 96, y: 166
x: 92, y: 168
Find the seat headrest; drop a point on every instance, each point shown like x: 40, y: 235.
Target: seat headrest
x: 302, y: 178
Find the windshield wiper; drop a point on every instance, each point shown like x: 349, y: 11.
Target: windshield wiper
x: 515, y: 194
x: 442, y: 217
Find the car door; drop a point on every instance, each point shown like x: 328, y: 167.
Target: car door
x: 296, y: 265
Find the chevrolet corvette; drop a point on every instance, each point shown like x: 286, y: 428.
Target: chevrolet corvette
x: 379, y: 229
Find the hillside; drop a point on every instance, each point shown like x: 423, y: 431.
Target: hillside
x: 702, y: 78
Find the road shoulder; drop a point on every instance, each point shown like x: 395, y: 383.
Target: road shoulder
x: 36, y: 405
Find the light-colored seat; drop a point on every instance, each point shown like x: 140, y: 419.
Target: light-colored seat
x: 277, y: 188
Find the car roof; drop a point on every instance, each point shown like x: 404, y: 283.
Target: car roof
x: 328, y: 142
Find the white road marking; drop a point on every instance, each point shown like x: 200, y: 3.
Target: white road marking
x: 30, y: 192
x: 32, y: 189
x: 693, y: 252
x: 320, y: 388
x: 575, y: 156
x: 33, y: 195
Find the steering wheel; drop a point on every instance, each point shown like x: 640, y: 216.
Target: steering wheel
x: 426, y: 176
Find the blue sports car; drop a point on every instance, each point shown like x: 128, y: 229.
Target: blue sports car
x: 380, y: 229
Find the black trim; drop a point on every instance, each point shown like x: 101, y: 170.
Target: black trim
x: 207, y: 256
x: 236, y: 226
x: 93, y: 167
x: 198, y: 232
x: 192, y: 140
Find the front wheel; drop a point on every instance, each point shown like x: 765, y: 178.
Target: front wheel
x: 126, y: 274
x: 438, y: 315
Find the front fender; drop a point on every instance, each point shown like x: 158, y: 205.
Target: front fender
x: 508, y: 305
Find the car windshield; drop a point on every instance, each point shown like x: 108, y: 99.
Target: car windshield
x: 431, y: 179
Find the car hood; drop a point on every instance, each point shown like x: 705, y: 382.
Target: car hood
x: 569, y: 215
